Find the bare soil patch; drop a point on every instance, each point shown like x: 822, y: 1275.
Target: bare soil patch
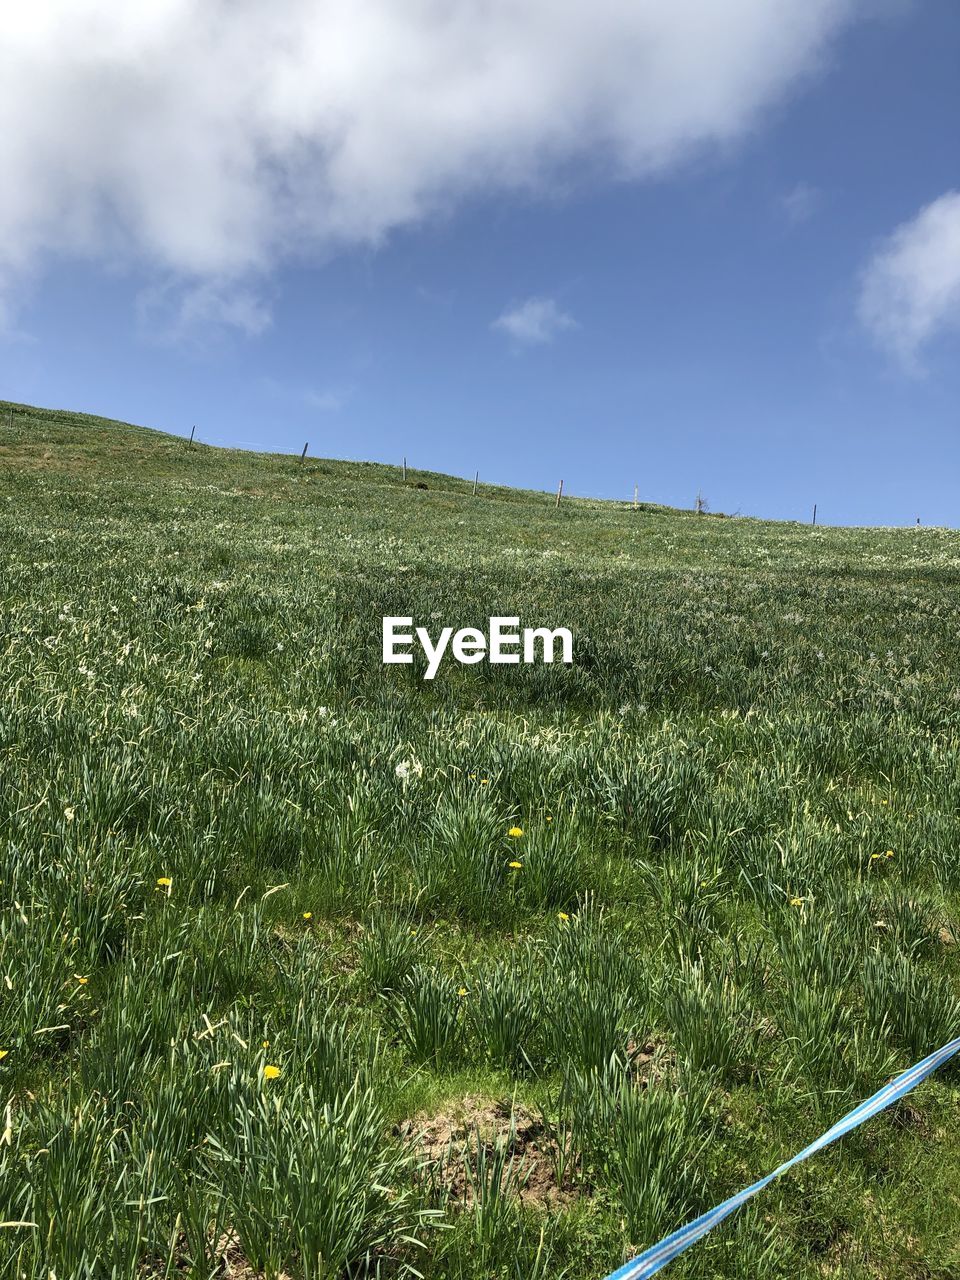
x: 450, y: 1139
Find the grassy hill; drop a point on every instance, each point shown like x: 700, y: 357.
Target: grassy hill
x: 280, y: 993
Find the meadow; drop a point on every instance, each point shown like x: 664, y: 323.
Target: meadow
x: 311, y: 968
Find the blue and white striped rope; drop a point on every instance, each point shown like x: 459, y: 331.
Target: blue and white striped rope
x: 657, y: 1256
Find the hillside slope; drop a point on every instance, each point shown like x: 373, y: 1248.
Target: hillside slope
x: 678, y: 904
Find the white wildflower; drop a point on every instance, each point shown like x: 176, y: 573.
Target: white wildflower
x: 407, y: 769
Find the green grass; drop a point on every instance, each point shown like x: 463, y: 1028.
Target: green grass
x: 734, y: 916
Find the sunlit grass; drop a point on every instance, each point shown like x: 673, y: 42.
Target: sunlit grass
x: 261, y: 900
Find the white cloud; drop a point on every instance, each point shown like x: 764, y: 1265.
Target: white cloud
x: 910, y: 291
x: 319, y: 399
x: 326, y: 401
x: 801, y: 202
x: 210, y: 139
x: 534, y: 322
x: 175, y: 313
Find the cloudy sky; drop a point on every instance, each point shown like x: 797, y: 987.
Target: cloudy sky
x: 680, y: 244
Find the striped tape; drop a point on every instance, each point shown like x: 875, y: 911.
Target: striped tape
x: 657, y: 1256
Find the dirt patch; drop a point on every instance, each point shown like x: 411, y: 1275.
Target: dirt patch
x: 904, y: 1115
x: 230, y: 1262
x: 650, y: 1061
x: 233, y: 1264
x: 453, y: 1139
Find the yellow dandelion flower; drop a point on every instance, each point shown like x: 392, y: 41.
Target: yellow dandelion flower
x: 308, y: 915
x: 266, y: 1044
x: 3, y: 1054
x: 549, y: 818
x: 875, y: 856
x: 516, y: 865
x: 461, y: 991
x: 797, y: 902
x: 484, y: 782
x: 270, y: 1072
x: 83, y: 981
x: 164, y: 882
x: 888, y: 854
x: 515, y: 833
x: 562, y: 915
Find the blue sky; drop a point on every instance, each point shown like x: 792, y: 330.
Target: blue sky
x: 765, y: 311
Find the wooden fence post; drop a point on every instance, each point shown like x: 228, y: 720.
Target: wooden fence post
x: 404, y: 471
x: 475, y: 480
x: 192, y: 430
x: 559, y: 493
x: 304, y: 454
x: 814, y: 521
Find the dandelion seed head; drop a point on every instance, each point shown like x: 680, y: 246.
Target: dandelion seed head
x: 408, y: 769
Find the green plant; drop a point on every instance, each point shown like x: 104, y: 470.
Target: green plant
x: 426, y: 1015
x: 315, y: 1180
